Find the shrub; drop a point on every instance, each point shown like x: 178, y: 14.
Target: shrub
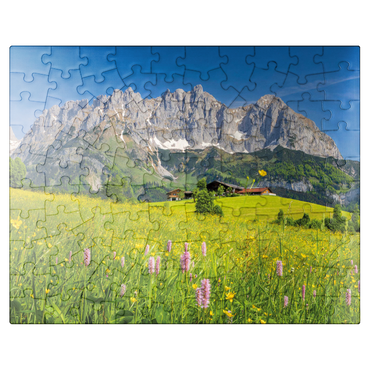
x: 217, y: 210
x: 315, y: 224
x: 204, y: 202
x: 289, y: 221
x: 304, y: 221
x: 280, y: 217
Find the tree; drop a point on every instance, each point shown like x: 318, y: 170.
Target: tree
x: 17, y: 171
x: 195, y: 194
x: 220, y: 190
x: 280, y: 217
x: 181, y: 194
x: 204, y: 202
x: 202, y: 184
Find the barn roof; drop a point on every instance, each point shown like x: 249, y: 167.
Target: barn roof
x: 255, y: 190
x: 226, y: 185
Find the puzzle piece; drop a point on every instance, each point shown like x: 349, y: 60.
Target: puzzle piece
x: 261, y: 144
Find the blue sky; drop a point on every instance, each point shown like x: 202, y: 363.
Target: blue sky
x: 321, y: 83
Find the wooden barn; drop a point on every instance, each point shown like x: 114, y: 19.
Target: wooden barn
x: 213, y: 186
x: 256, y: 191
x: 174, y: 194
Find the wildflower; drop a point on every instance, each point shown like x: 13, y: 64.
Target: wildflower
x: 352, y: 262
x: 286, y: 299
x: 314, y: 293
x: 186, y: 247
x: 226, y: 287
x: 123, y: 290
x: 195, y: 286
x: 147, y: 249
x: 199, y: 296
x: 169, y: 246
x: 310, y: 269
x: 348, y: 297
x: 250, y: 320
x: 230, y: 296
x: 151, y: 265
x: 356, y: 270
x: 47, y: 291
x: 157, y: 265
x: 16, y: 223
x: 228, y: 313
x: 114, y: 256
x: 262, y: 173
x: 70, y: 256
x: 279, y: 268
x: 133, y: 300
x: 206, y: 292
x: 185, y: 261
x: 211, y: 313
x: 56, y: 260
x: 263, y: 321
x: 303, y: 291
x: 87, y: 256
x: 204, y: 249
x: 123, y: 262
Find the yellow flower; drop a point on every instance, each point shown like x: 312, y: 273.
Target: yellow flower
x: 263, y: 321
x: 249, y: 320
x: 264, y: 256
x: 16, y: 223
x: 262, y: 173
x: 230, y: 296
x: 227, y: 288
x: 228, y: 313
x: 303, y: 255
x: 195, y: 286
x: 211, y: 313
x: 133, y: 300
x: 253, y: 306
x: 47, y: 291
x: 31, y: 295
x: 107, y: 271
x: 166, y: 254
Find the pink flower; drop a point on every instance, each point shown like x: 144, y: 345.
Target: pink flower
x: 169, y: 246
x: 123, y: 290
x: 348, y: 297
x: 157, y: 265
x: 199, y: 296
x: 56, y: 261
x: 352, y: 262
x: 151, y: 265
x: 123, y: 261
x: 147, y: 249
x: 185, y: 261
x: 279, y: 268
x: 286, y: 299
x: 114, y: 256
x: 70, y: 256
x: 206, y: 292
x: 310, y: 269
x: 356, y: 270
x: 314, y: 293
x: 204, y: 249
x: 87, y: 256
x: 303, y: 291
x: 360, y: 286
x: 186, y: 247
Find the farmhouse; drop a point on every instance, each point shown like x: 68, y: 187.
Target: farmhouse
x: 174, y: 194
x: 256, y: 191
x: 213, y: 186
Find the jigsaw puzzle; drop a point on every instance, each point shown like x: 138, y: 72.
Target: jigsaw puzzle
x: 214, y: 185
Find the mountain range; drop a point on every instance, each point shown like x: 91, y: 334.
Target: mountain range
x: 151, y: 145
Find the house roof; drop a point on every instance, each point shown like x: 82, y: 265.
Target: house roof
x: 226, y: 185
x: 255, y: 190
x: 173, y: 191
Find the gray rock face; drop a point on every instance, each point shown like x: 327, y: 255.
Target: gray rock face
x: 62, y: 136
x: 13, y: 141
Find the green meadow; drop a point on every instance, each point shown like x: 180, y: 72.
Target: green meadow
x: 51, y: 281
